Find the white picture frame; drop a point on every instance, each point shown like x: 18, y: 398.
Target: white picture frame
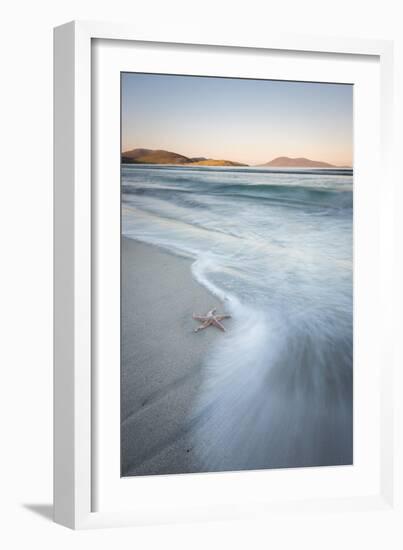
x: 80, y: 431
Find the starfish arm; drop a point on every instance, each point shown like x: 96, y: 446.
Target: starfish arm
x: 201, y: 327
x: 211, y: 312
x: 221, y: 317
x: 200, y: 317
x: 217, y: 323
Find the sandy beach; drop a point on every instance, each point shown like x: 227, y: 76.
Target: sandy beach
x: 162, y: 359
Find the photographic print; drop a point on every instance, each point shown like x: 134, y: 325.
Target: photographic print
x: 236, y: 274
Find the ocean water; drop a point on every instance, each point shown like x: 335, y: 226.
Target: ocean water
x: 276, y: 246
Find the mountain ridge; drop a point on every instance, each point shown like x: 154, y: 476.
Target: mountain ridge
x: 298, y: 162
x: 161, y: 156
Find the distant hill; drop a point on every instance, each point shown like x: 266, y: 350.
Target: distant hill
x: 287, y: 162
x: 159, y: 156
x: 153, y: 156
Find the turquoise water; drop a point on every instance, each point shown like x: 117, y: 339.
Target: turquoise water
x: 276, y: 247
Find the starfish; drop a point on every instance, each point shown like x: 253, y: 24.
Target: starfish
x: 210, y: 319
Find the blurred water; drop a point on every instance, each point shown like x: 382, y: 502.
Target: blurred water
x: 276, y: 246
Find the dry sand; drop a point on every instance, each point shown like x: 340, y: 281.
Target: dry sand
x: 162, y: 359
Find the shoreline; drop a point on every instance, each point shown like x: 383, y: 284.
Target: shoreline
x: 276, y: 390
x: 161, y: 359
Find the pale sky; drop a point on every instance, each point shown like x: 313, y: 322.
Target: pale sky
x: 243, y: 120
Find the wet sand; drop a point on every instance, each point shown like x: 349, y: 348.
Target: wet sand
x: 162, y: 359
